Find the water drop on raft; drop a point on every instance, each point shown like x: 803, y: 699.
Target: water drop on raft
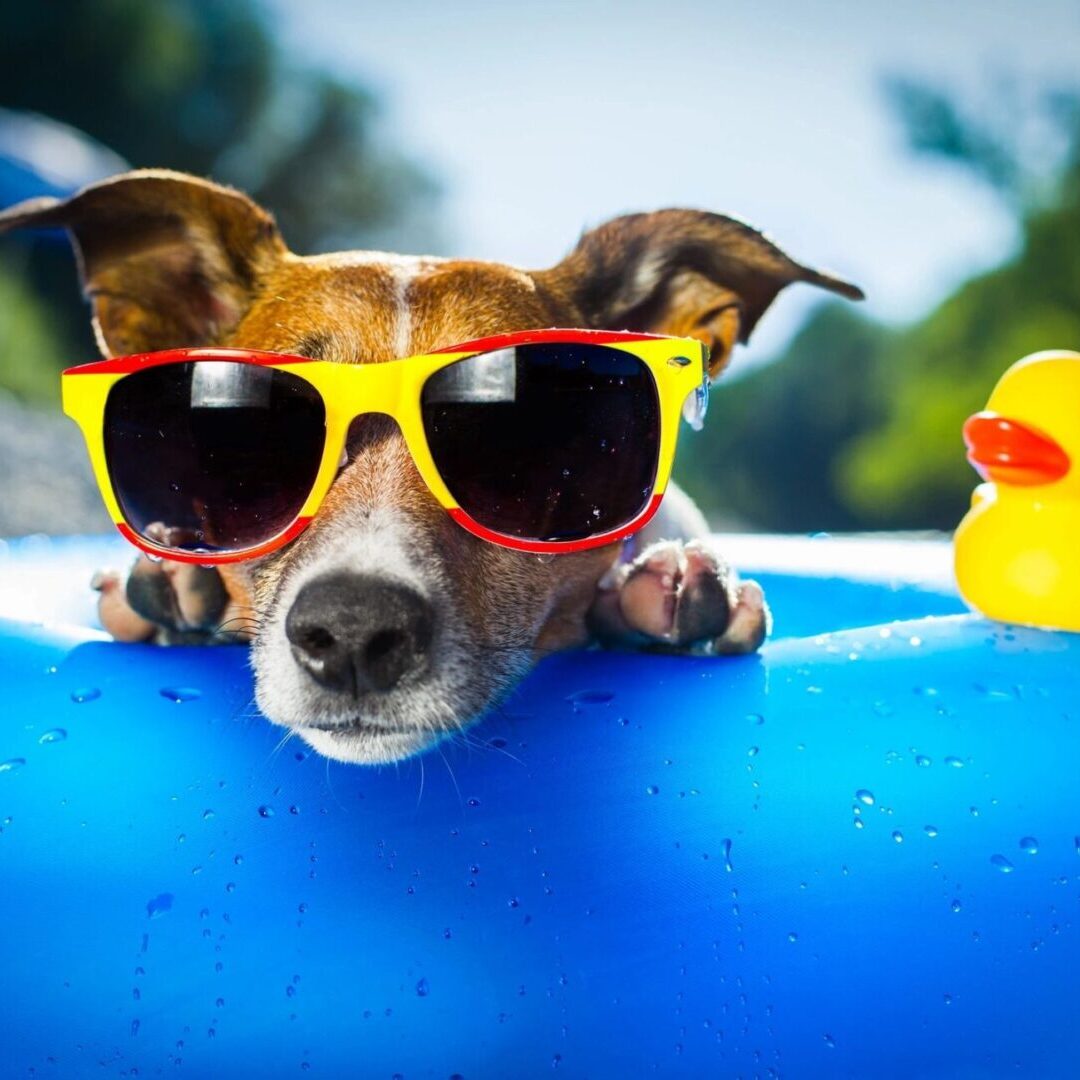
x: 180, y: 694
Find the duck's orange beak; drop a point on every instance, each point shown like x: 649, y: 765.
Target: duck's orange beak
x: 1009, y: 452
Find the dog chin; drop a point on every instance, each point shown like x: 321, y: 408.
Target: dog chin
x: 367, y: 745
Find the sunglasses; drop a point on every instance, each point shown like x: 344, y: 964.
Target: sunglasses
x: 546, y: 441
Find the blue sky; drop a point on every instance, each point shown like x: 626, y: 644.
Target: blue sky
x: 542, y: 118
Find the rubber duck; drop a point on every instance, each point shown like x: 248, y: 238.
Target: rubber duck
x: 1017, y: 551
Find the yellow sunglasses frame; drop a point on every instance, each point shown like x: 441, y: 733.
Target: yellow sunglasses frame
x: 679, y: 367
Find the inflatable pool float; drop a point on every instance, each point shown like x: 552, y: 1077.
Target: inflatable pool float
x: 855, y: 854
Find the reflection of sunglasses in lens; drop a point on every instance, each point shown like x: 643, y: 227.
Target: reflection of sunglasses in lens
x: 545, y: 441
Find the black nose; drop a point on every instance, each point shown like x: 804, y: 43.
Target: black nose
x: 357, y: 633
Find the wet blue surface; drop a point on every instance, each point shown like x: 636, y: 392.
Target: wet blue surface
x: 857, y: 854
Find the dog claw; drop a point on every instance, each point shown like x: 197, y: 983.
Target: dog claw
x: 750, y: 624
x: 167, y: 602
x: 680, y: 598
x: 116, y: 614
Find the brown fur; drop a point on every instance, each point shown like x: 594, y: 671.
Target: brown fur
x: 170, y: 261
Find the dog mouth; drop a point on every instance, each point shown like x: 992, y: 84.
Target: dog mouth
x: 356, y: 725
x: 362, y: 742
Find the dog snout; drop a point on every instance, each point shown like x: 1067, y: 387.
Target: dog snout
x: 357, y: 633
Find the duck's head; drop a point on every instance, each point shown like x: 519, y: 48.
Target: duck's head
x: 1029, y: 433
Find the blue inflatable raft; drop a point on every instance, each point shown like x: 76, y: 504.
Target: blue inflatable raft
x: 856, y: 854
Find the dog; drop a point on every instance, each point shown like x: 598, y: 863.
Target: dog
x: 170, y: 261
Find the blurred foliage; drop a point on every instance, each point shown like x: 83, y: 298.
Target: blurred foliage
x: 857, y: 425
x: 31, y: 351
x: 201, y: 86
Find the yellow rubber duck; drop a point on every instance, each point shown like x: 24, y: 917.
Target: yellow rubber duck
x: 1017, y: 551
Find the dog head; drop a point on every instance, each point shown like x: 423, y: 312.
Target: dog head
x: 385, y: 626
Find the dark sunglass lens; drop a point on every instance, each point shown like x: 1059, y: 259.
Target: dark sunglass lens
x: 546, y: 441
x: 215, y: 455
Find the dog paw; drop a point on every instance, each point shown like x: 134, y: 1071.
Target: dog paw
x: 680, y: 597
x: 169, y: 603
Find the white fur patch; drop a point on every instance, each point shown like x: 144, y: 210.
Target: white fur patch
x: 403, y: 313
x: 380, y: 541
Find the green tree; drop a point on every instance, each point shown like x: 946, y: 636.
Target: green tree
x: 857, y: 425
x: 202, y: 86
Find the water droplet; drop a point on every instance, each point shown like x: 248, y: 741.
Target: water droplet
x: 294, y: 810
x: 85, y: 693
x: 755, y: 718
x: 12, y: 764
x: 180, y: 694
x: 230, y: 887
x: 238, y: 860
x: 898, y: 836
x: 423, y: 988
x: 930, y: 830
x: 220, y: 1003
x: 864, y: 796
x: 1002, y: 864
x: 830, y: 1042
x: 590, y: 697
x: 159, y: 905
x: 652, y: 789
x: 266, y: 811
x: 53, y: 736
x: 726, y: 847
x: 947, y: 998
x: 793, y: 937
x: 134, y: 1028
x: 923, y: 761
x: 290, y: 990
x: 973, y: 811
x: 302, y: 908
x: 858, y: 823
x: 474, y: 802
x: 753, y: 751
x: 954, y: 762
x: 1030, y: 845
x: 207, y: 815
x: 955, y: 907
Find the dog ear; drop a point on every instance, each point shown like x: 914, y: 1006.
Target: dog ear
x: 166, y: 260
x: 682, y: 272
